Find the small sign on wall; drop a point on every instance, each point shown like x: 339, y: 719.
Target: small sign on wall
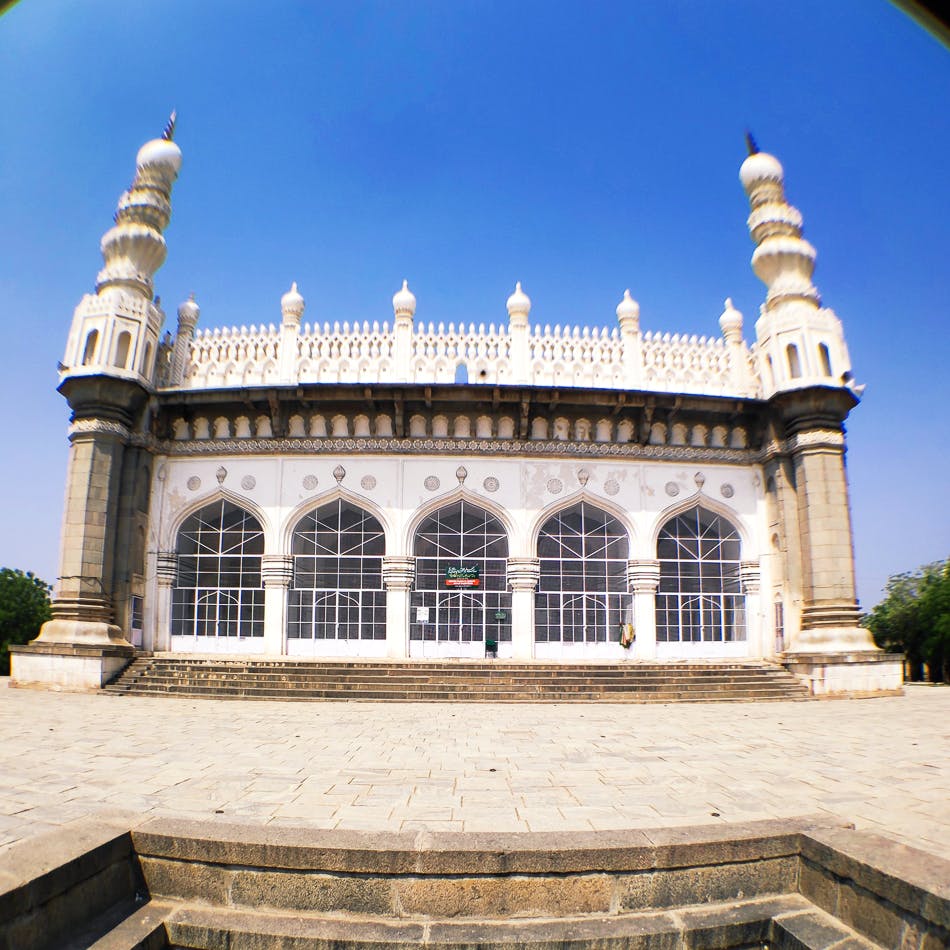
x: 463, y: 576
x: 422, y: 614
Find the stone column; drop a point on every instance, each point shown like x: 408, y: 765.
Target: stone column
x: 643, y: 578
x: 398, y: 574
x: 277, y: 571
x: 750, y: 575
x: 830, y: 610
x: 166, y: 569
x: 83, y: 610
x: 523, y: 576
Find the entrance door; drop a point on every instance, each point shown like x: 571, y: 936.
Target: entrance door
x: 460, y: 600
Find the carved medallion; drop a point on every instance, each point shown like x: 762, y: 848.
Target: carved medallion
x: 248, y: 482
x: 461, y: 473
x: 368, y: 482
x: 700, y: 480
x: 490, y: 483
x: 727, y: 490
x: 221, y: 474
x: 611, y: 486
x: 310, y: 482
x: 583, y: 476
x: 555, y: 485
x: 194, y: 483
x: 339, y: 473
x: 672, y: 489
x: 432, y: 483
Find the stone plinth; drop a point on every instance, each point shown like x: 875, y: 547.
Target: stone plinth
x: 68, y: 666
x: 859, y: 673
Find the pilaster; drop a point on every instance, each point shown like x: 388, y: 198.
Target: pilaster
x: 166, y: 570
x: 643, y: 579
x: 398, y: 576
x: 523, y: 576
x: 277, y: 572
x: 750, y: 582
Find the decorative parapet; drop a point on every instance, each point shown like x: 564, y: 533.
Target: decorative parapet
x: 588, y: 357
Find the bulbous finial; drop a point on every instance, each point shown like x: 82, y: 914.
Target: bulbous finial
x: 292, y: 305
x: 404, y: 301
x: 188, y: 312
x: 628, y: 311
x: 759, y: 167
x: 730, y: 322
x: 519, y: 302
x: 163, y: 151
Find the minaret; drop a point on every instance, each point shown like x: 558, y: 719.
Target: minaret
x: 805, y: 371
x: 800, y: 343
x: 106, y: 378
x: 115, y: 330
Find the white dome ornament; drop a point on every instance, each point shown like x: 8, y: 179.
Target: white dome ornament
x: 292, y: 306
x: 404, y: 301
x: 628, y: 313
x: 759, y: 166
x: 519, y: 305
x: 730, y: 322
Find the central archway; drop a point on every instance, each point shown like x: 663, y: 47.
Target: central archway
x: 460, y: 599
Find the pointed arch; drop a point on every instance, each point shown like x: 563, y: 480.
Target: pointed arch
x: 309, y: 505
x: 588, y: 497
x: 711, y: 504
x: 583, y: 553
x: 337, y: 590
x: 447, y: 498
x: 218, y: 589
x: 174, y: 524
x: 699, y: 598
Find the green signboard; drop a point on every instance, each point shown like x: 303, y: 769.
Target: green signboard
x: 463, y: 576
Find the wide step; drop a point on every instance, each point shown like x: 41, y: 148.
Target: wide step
x: 440, y: 681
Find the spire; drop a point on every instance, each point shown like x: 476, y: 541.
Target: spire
x: 750, y: 143
x: 134, y: 248
x: 169, y: 134
x: 783, y: 260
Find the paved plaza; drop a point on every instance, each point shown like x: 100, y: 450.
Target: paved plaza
x: 882, y: 764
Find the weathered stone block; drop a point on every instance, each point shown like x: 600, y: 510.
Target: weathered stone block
x: 310, y: 892
x: 869, y: 915
x: 683, y: 886
x: 505, y: 896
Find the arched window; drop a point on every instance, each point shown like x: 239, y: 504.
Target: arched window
x: 582, y: 593
x: 794, y: 363
x: 461, y: 373
x: 824, y: 358
x: 89, y: 350
x: 147, y: 359
x: 218, y: 590
x: 461, y: 582
x: 337, y: 591
x: 122, y: 346
x: 699, y: 598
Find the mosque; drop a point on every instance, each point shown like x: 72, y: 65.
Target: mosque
x: 401, y: 489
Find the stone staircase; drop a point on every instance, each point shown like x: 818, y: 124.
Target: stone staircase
x: 455, y: 681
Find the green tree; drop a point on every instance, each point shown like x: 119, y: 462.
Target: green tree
x: 914, y: 619
x: 24, y: 608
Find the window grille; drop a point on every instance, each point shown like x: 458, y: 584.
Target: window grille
x: 461, y: 535
x: 337, y: 591
x: 218, y: 590
x: 582, y: 592
x: 699, y: 596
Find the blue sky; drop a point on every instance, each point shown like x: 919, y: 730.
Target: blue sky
x: 579, y: 147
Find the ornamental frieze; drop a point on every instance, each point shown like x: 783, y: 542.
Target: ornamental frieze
x: 467, y: 447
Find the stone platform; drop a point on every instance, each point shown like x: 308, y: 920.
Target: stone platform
x: 881, y: 764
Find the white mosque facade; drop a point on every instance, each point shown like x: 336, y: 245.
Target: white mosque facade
x: 403, y: 489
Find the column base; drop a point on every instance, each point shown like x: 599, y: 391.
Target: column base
x: 834, y: 640
x: 85, y: 632
x: 847, y: 674
x: 67, y: 666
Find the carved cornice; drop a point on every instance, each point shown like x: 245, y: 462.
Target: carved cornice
x: 86, y: 427
x: 815, y: 438
x: 447, y: 446
x: 643, y: 575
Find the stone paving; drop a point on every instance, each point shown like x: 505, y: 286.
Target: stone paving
x: 882, y: 764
